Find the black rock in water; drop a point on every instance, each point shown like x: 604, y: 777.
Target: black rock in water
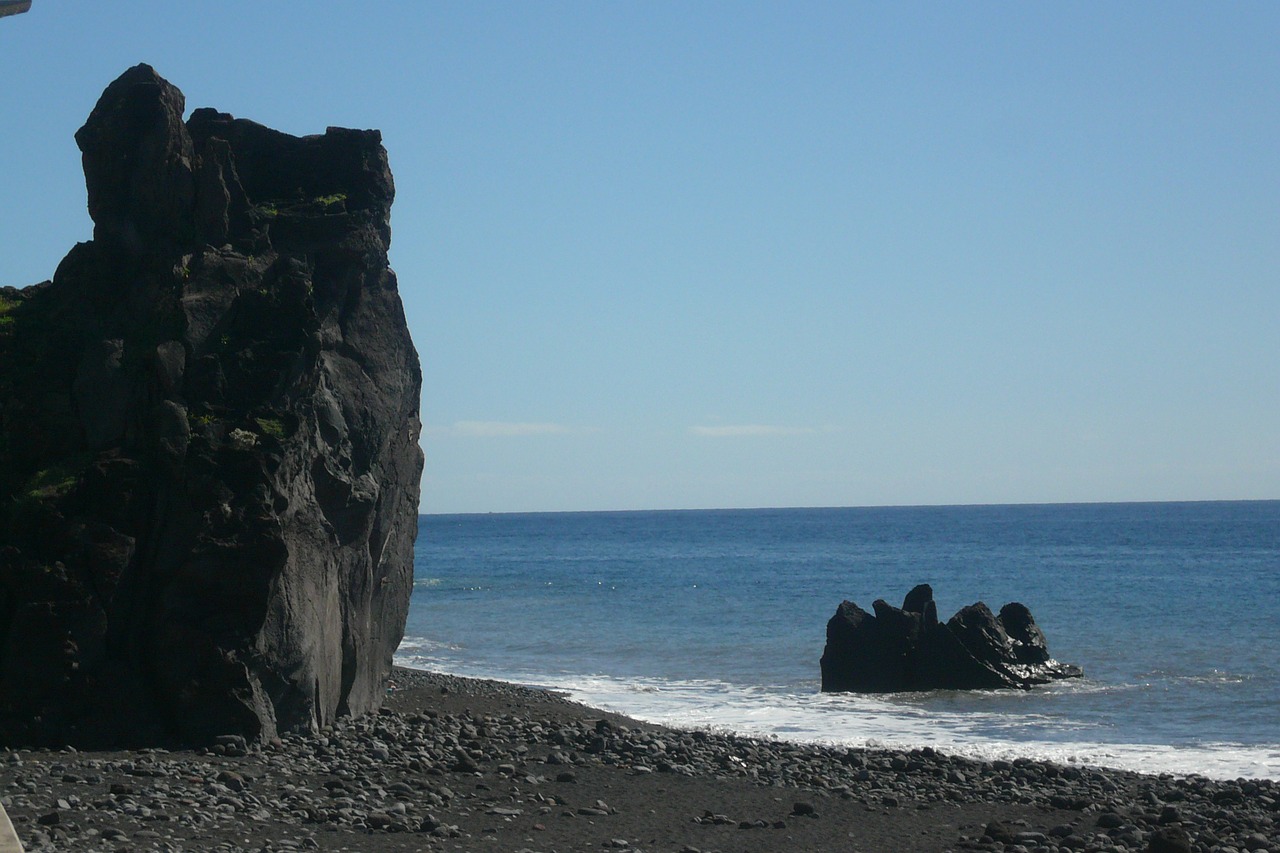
x: 209, y: 461
x: 909, y: 649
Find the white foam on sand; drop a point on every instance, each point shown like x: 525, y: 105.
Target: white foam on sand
x: 871, y: 721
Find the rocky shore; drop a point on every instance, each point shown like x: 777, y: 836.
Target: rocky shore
x: 458, y: 764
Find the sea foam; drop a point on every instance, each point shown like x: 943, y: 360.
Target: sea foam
x: 852, y: 720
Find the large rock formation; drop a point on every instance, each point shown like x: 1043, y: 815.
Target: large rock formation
x: 209, y: 461
x: 909, y: 649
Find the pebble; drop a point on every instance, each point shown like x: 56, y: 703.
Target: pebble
x: 417, y: 773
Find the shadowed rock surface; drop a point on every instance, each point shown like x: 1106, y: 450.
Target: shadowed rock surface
x: 209, y: 461
x: 909, y: 649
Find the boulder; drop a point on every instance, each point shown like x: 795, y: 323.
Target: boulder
x: 209, y: 461
x: 907, y: 648
x: 1169, y: 839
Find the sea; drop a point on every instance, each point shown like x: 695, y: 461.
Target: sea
x: 716, y: 619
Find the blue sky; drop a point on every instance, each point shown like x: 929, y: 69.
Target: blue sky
x: 669, y: 255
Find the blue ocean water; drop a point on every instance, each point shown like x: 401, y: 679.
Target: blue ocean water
x: 717, y: 619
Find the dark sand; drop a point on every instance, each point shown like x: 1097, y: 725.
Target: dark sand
x: 459, y: 764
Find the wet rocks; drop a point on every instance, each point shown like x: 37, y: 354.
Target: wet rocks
x: 907, y: 648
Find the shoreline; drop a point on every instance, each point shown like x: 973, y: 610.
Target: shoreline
x: 454, y: 763
x: 803, y: 718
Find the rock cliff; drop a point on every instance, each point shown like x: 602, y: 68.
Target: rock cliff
x: 209, y: 461
x: 907, y: 648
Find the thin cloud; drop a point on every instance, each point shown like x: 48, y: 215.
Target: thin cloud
x: 738, y: 430
x: 506, y: 429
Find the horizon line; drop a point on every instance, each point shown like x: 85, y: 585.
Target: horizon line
x: 854, y: 506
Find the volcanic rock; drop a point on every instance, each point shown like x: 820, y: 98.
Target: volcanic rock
x: 907, y: 648
x: 209, y: 461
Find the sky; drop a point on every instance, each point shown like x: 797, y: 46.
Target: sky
x: 670, y: 255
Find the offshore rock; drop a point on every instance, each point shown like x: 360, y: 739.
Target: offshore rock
x: 209, y: 461
x: 907, y: 648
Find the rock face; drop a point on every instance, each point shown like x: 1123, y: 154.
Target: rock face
x: 209, y: 461
x: 909, y: 649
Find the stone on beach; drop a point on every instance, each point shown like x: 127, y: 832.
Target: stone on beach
x: 334, y: 790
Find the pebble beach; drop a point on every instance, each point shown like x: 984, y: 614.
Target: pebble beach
x: 455, y: 764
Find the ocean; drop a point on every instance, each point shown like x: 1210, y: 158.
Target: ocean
x: 717, y: 619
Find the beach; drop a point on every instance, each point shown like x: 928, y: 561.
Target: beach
x: 717, y: 619
x: 462, y: 764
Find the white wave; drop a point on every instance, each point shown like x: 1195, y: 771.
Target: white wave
x: 878, y: 722
x: 1214, y: 677
x: 423, y: 650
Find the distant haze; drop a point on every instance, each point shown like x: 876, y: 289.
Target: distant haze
x: 675, y: 255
